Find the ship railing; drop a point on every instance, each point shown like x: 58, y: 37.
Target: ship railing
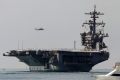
x: 26, y: 51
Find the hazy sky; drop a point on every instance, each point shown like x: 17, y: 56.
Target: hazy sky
x: 62, y: 20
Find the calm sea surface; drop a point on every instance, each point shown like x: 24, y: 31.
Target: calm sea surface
x: 26, y: 75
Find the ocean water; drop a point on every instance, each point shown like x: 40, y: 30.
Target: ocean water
x: 26, y: 75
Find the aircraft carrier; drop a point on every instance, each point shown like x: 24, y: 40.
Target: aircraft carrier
x: 94, y: 51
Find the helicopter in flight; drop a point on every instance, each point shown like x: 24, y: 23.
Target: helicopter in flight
x: 39, y: 29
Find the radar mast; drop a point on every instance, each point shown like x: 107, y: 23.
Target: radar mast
x: 93, y: 39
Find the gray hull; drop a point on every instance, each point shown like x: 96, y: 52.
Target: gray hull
x: 60, y: 60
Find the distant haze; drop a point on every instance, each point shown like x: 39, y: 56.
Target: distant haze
x: 61, y: 19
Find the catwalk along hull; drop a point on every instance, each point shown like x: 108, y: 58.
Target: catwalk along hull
x: 59, y: 60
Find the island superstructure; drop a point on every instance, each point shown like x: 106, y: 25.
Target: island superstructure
x: 94, y: 51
